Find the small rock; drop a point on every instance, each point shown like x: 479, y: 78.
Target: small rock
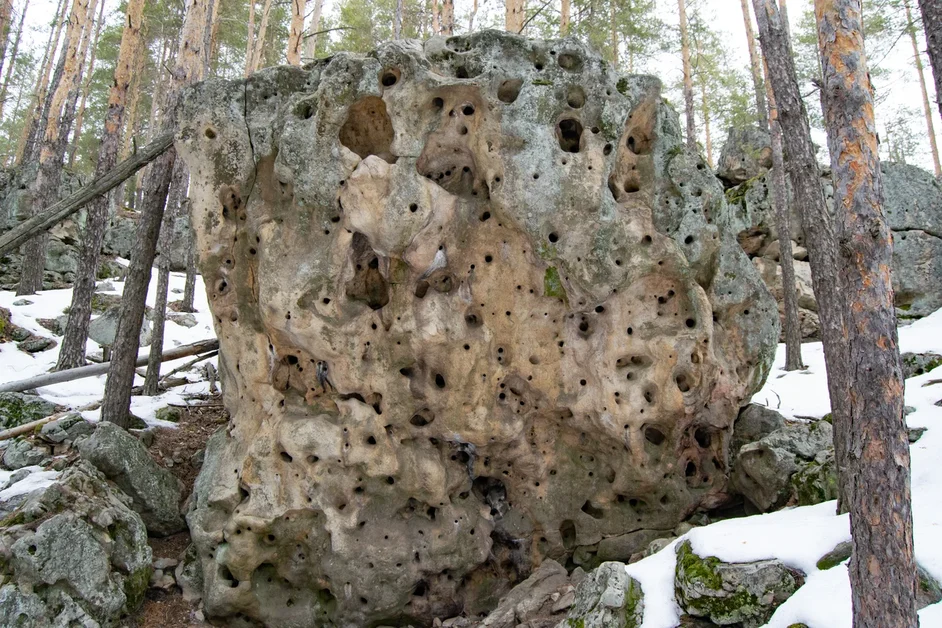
x: 915, y: 433
x: 744, y: 594
x: 186, y: 320
x: 915, y: 364
x: 103, y: 328
x: 20, y: 453
x: 621, y: 547
x: 13, y: 479
x: 168, y: 413
x: 577, y: 576
x: 20, y: 302
x: 656, y: 546
x: 196, y: 460
x: 60, y: 464
x: 19, y: 408
x: 683, y: 528
x: 65, y: 429
x: 927, y: 589
x: 527, y: 598
x: 35, y: 344
x: 161, y: 580
x: 146, y: 436
x: 816, y: 482
x: 104, y: 286
x: 165, y: 563
x: 836, y: 556
x: 753, y: 423
x: 565, y: 601
x: 189, y: 575
x: 607, y: 598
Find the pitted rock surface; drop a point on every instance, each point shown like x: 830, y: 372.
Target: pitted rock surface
x: 476, y: 306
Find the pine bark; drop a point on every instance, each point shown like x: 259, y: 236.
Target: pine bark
x: 257, y: 60
x: 927, y: 109
x: 45, y: 188
x: 117, y: 400
x: 296, y: 32
x: 705, y: 109
x: 72, y: 352
x: 564, y: 17
x: 613, y: 31
x: 932, y: 23
x: 6, y: 19
x: 89, y: 44
x: 39, y: 95
x: 762, y: 112
x: 448, y: 18
x: 397, y: 21
x: 436, y: 21
x: 310, y: 41
x: 250, y: 40
x: 514, y: 15
x: 688, y: 78
x: 817, y: 224
x: 4, y: 90
x: 882, y: 568
x: 792, y: 324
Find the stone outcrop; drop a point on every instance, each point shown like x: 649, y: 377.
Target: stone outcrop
x: 73, y: 554
x: 913, y: 203
x: 476, y: 306
x: 746, y: 154
x: 732, y: 594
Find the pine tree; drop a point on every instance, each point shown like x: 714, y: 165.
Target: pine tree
x: 876, y: 439
x: 688, y: 78
x: 5, y: 89
x: 917, y: 62
x: 932, y: 23
x: 72, y: 353
x: 297, y: 30
x: 514, y: 13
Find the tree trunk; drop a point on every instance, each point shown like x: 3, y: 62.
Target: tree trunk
x: 513, y: 15
x: 72, y: 353
x: 257, y: 60
x: 297, y: 30
x: 45, y: 188
x: 250, y: 40
x: 613, y: 28
x: 932, y: 23
x: 688, y: 79
x: 397, y: 21
x: 39, y: 96
x: 802, y: 170
x: 10, y: 67
x: 87, y: 44
x: 130, y: 126
x: 564, y: 18
x: 762, y: 112
x: 917, y: 57
x: 6, y: 17
x: 189, y: 288
x: 436, y: 22
x: 310, y: 42
x: 705, y: 107
x: 882, y: 568
x: 474, y: 12
x: 448, y: 18
x: 175, y: 198
x: 116, y: 404
x: 792, y: 324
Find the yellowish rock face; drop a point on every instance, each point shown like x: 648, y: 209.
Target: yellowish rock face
x: 476, y: 307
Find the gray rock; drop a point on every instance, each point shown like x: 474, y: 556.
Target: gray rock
x: 104, y: 286
x: 86, y: 563
x: 21, y: 474
x: 741, y: 594
x: 68, y: 428
x: 19, y: 408
x: 836, y: 556
x: 657, y: 545
x: 189, y: 575
x: 35, y: 344
x: 21, y: 453
x: 753, y: 423
x: 154, y: 491
x: 529, y: 598
x: 927, y: 589
x: 607, y: 598
x: 763, y: 470
x: 746, y: 154
x: 185, y: 319
x: 816, y: 482
x: 621, y: 547
x: 22, y: 302
x: 919, y: 363
x: 103, y: 328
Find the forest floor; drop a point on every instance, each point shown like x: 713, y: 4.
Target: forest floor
x: 797, y: 536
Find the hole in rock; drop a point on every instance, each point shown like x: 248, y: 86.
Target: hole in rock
x: 439, y: 380
x: 567, y: 531
x: 703, y: 437
x: 575, y: 97
x: 389, y: 77
x: 653, y: 435
x: 509, y: 90
x: 569, y: 61
x: 592, y: 511
x: 368, y: 129
x: 286, y: 456
x: 467, y: 110
x: 210, y: 134
x: 690, y: 470
x: 569, y: 134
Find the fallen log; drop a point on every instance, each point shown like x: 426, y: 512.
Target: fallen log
x: 26, y: 428
x: 57, y: 377
x: 13, y: 238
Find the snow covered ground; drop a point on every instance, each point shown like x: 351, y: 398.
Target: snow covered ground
x: 797, y: 536
x: 17, y: 365
x: 800, y: 536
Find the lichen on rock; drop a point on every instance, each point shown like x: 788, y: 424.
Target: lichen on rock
x: 476, y: 306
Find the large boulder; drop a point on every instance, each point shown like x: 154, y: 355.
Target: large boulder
x: 104, y: 328
x: 154, y: 491
x: 73, y: 554
x: 19, y: 408
x: 607, y: 598
x: 732, y: 594
x: 746, y: 154
x: 477, y: 306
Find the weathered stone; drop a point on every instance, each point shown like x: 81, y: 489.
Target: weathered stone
x: 75, y: 553
x: 184, y: 319
x: 154, y: 491
x: 102, y: 329
x: 927, y: 589
x: 754, y: 423
x: 527, y: 312
x: 816, y: 481
x: 35, y: 344
x: 621, y: 547
x: 607, y: 598
x: 21, y: 453
x: 530, y: 598
x: 919, y: 363
x: 746, y: 154
x: 763, y: 470
x: 836, y: 556
x: 741, y: 594
x: 189, y: 575
x: 68, y: 428
x: 19, y: 408
x: 771, y: 273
